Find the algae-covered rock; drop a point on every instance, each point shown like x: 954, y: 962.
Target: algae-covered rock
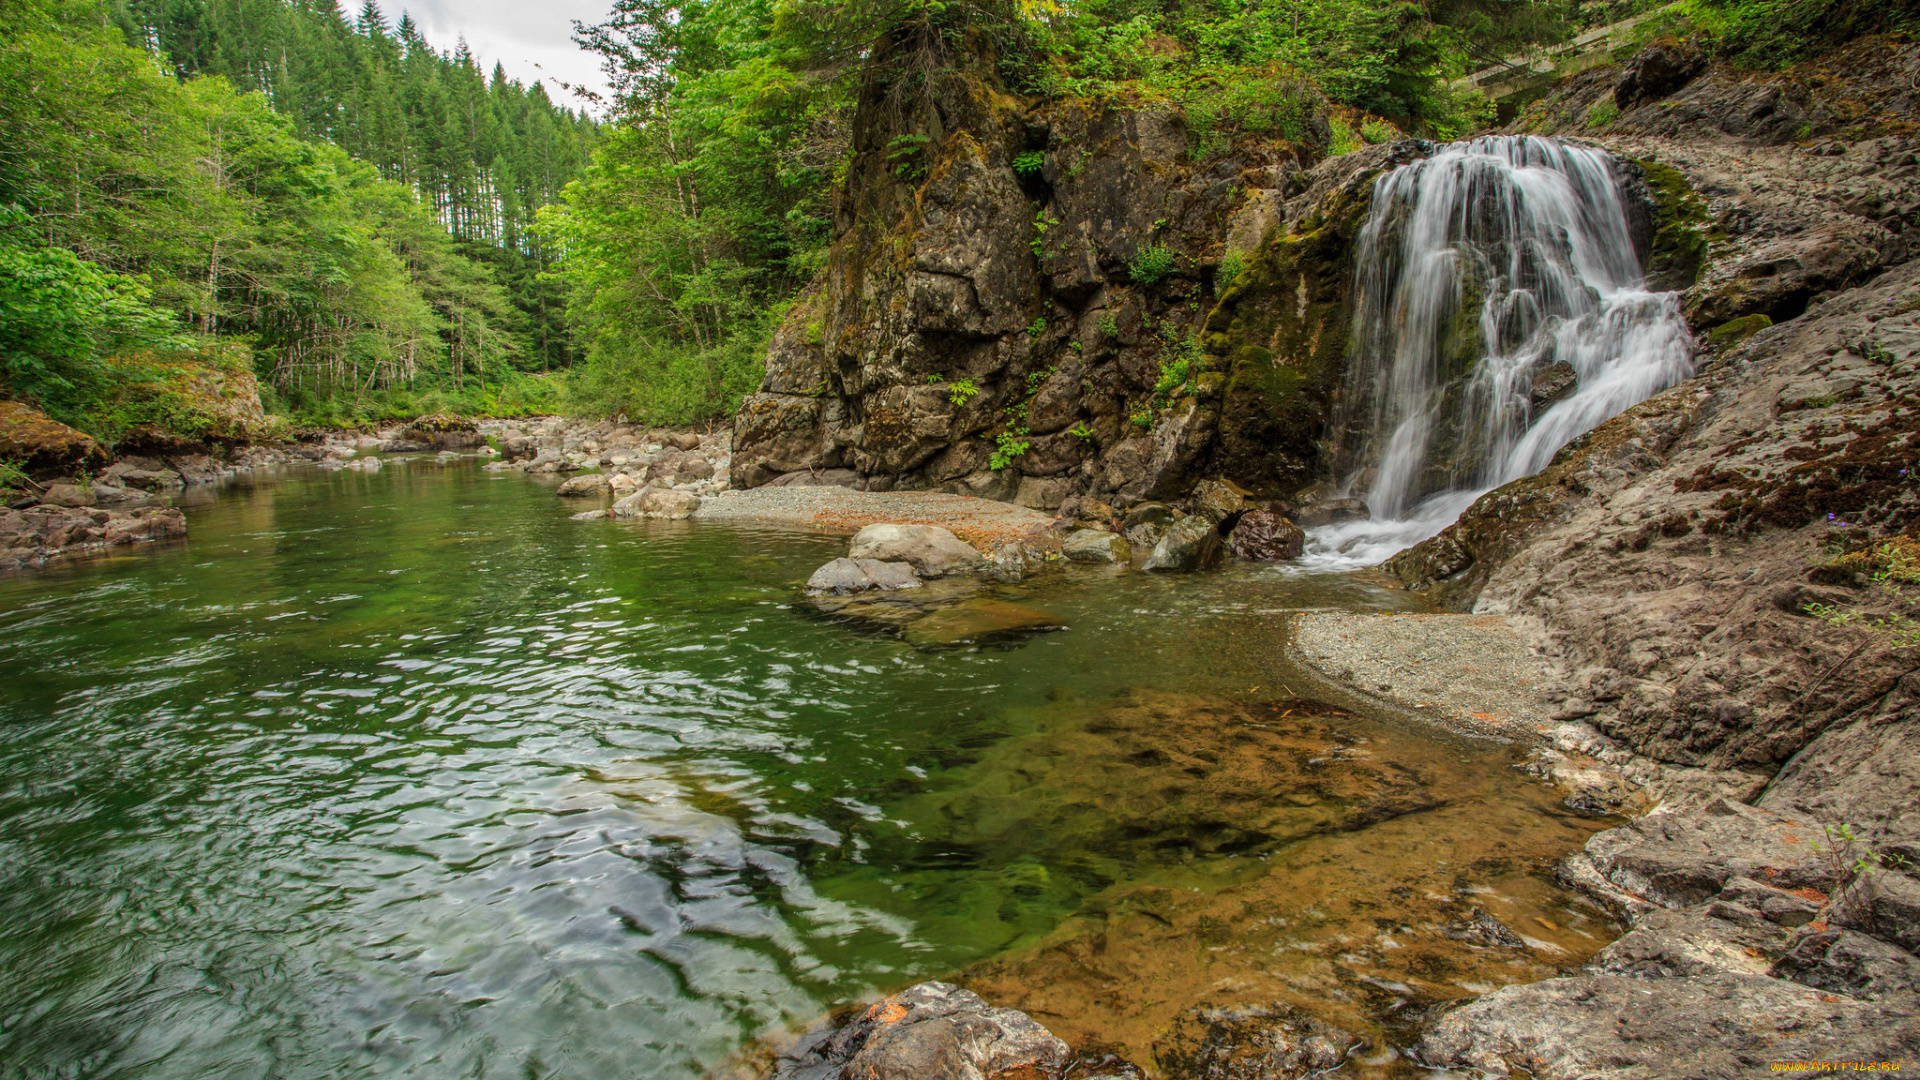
x: 1192, y: 543
x: 43, y: 446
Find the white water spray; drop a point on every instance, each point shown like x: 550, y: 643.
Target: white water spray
x: 1480, y: 268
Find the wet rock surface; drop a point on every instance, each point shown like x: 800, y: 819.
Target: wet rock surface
x: 41, y: 534
x: 932, y: 1031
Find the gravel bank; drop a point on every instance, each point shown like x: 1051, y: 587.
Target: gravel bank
x: 1469, y: 673
x: 981, y: 522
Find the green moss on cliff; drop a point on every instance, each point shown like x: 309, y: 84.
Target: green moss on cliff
x: 1679, y: 250
x: 1279, y: 336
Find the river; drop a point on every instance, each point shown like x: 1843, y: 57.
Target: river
x: 408, y: 774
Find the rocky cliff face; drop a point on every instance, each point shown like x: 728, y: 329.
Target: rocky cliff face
x: 1086, y: 289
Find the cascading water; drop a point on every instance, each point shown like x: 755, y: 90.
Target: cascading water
x: 1485, y: 274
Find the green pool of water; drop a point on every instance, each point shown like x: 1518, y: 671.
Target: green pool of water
x: 409, y: 774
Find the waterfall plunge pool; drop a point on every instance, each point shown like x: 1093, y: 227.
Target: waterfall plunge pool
x: 407, y: 774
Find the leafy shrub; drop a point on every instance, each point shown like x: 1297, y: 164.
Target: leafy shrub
x: 1110, y: 326
x: 12, y: 476
x: 1151, y: 265
x: 1376, y: 131
x: 907, y: 155
x: 1007, y: 446
x: 961, y: 391
x: 1030, y: 162
x: 1232, y: 265
x: 668, y: 383
x: 1344, y: 139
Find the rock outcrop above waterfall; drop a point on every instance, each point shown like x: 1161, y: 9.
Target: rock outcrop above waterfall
x: 1138, y: 313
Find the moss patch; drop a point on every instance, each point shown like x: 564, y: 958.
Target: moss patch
x: 1679, y: 250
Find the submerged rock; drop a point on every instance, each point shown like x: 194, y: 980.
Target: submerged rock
x: 932, y: 550
x: 976, y: 621
x: 1265, y: 1042
x: 1095, y: 546
x: 843, y: 576
x: 1191, y: 544
x: 1264, y: 536
x: 933, y: 1031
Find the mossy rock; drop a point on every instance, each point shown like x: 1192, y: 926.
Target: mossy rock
x: 1679, y: 249
x: 1280, y: 337
x: 1723, y: 338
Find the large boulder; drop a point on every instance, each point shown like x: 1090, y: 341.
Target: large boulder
x: 1214, y: 500
x: 583, y: 486
x: 930, y: 549
x: 1192, y: 543
x: 843, y: 576
x: 1264, y: 536
x: 71, y: 495
x: 1096, y: 546
x: 932, y: 1031
x: 657, y: 503
x: 43, y: 446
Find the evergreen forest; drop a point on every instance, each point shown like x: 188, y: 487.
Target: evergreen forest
x: 377, y: 227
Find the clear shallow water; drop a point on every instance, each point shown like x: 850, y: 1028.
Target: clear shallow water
x: 408, y: 774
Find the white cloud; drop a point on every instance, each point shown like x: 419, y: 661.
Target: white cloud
x: 517, y: 34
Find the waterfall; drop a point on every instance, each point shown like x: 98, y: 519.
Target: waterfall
x: 1500, y: 311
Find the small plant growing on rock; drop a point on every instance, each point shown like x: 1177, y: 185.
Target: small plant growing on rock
x: 1037, y: 327
x: 12, y: 476
x: 1081, y: 431
x: 1345, y: 141
x: 934, y: 378
x: 1142, y: 419
x: 961, y: 391
x: 1232, y: 265
x: 1376, y: 131
x: 1007, y: 446
x: 1110, y: 326
x: 1042, y: 221
x: 907, y: 155
x: 1603, y: 113
x: 1151, y: 265
x: 1029, y: 163
x: 1892, y: 566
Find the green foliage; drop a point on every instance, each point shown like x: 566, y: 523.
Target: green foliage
x: 1603, y: 113
x: 1037, y: 327
x: 1142, y: 419
x: 1081, y: 431
x: 1110, y: 326
x: 1008, y: 445
x: 1376, y: 131
x: 12, y: 476
x: 1029, y: 162
x: 1178, y: 363
x: 1767, y: 35
x: 1890, y: 567
x: 961, y: 391
x: 1151, y: 264
x: 1344, y: 141
x: 1042, y: 221
x: 1232, y: 265
x: 908, y: 156
x: 61, y: 316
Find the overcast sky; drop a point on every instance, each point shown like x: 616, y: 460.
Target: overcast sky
x: 517, y: 33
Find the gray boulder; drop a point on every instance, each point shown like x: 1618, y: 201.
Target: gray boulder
x: 657, y: 503
x: 1214, y: 500
x: 583, y: 486
x: 933, y: 1031
x: 1192, y: 543
x: 1096, y: 546
x: 930, y: 549
x: 1714, y: 1026
x: 842, y: 576
x: 68, y: 495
